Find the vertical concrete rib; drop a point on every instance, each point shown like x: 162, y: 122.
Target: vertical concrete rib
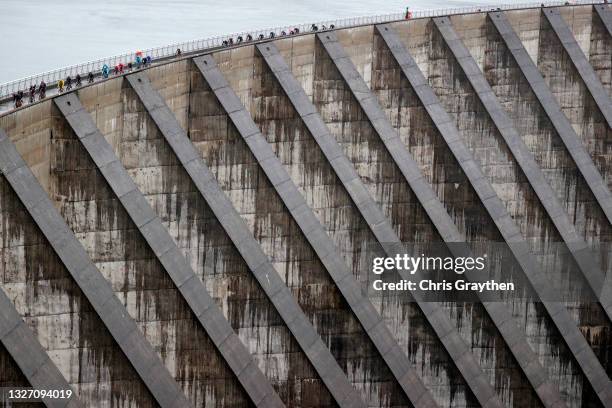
x: 96, y: 289
x: 250, y: 250
x: 561, y: 124
x: 580, y: 62
x: 575, y: 341
x: 167, y: 252
x: 373, y: 215
x: 322, y: 244
x: 515, y: 340
x: 21, y: 343
x: 548, y: 198
x: 605, y: 15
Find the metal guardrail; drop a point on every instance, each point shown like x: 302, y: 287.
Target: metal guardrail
x: 195, y: 46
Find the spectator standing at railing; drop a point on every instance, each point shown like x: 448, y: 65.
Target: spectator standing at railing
x: 16, y: 100
x: 42, y: 90
x: 408, y: 15
x: 32, y: 93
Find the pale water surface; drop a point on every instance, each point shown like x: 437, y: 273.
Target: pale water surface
x: 41, y: 35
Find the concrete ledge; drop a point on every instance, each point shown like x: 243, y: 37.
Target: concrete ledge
x: 267, y: 277
x: 323, y: 246
x: 164, y: 247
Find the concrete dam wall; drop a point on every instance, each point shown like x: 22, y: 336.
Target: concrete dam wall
x: 196, y: 233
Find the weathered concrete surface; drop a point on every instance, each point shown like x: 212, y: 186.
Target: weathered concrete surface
x: 569, y: 89
x: 379, y: 359
x: 517, y: 343
x: 12, y: 377
x: 486, y: 144
x: 85, y: 354
x: 319, y: 181
x: 202, y: 306
x: 439, y: 167
x: 276, y: 301
x: 30, y: 357
x: 60, y: 316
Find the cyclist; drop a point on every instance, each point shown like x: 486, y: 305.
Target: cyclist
x: 68, y: 83
x: 78, y: 80
x: 60, y: 85
x: 90, y: 78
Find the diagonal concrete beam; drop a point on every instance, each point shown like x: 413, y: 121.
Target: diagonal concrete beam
x: 548, y: 198
x: 26, y: 350
x: 321, y: 243
x: 605, y: 15
x: 580, y: 62
x: 575, y: 341
x: 561, y: 124
x: 277, y: 292
x: 373, y: 215
x: 96, y: 289
x: 169, y: 255
x: 515, y: 339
